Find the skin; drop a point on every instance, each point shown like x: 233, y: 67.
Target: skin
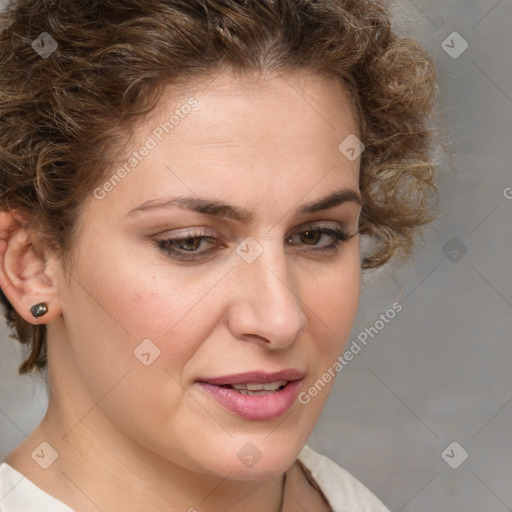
x: 133, y: 437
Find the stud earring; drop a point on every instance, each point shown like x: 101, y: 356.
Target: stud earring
x: 38, y: 310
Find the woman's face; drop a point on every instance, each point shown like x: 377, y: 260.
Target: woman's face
x: 154, y: 329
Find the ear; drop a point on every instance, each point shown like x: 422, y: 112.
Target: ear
x: 27, y: 268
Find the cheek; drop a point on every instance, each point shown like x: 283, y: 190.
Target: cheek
x: 115, y: 305
x: 333, y: 305
x: 133, y: 331
x: 332, y: 300
x: 336, y: 299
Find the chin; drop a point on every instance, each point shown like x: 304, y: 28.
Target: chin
x: 254, y: 457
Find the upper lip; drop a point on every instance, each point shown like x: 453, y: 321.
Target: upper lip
x: 256, y: 377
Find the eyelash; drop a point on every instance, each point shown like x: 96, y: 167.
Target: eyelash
x: 338, y: 235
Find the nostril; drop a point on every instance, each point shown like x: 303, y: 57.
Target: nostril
x: 256, y: 338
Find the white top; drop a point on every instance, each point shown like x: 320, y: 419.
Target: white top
x: 343, y: 492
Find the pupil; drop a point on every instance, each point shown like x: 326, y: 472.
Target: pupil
x: 189, y: 241
x: 314, y: 234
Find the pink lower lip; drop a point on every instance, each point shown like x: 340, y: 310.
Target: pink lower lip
x: 262, y: 407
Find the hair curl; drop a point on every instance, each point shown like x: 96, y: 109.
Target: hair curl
x: 61, y: 116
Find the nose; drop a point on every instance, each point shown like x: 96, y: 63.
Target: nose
x: 266, y: 307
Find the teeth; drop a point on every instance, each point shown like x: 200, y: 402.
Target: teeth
x: 253, y: 393
x: 269, y: 386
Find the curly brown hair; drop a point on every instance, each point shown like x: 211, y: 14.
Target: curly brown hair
x: 61, y: 116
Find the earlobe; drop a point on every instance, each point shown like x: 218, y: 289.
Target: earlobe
x: 26, y: 274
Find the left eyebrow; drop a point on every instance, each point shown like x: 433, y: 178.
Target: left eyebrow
x: 332, y: 200
x: 219, y: 209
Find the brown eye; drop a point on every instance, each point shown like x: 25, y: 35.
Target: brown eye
x: 193, y: 243
x: 186, y: 246
x: 311, y: 236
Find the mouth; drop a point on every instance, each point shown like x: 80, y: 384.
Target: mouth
x: 255, y: 389
x: 255, y: 395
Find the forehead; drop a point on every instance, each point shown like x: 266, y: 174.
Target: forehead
x: 252, y: 123
x: 298, y: 101
x: 241, y: 139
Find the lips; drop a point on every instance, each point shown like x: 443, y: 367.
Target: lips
x: 255, y: 377
x: 255, y: 395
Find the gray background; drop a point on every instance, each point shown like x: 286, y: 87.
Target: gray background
x: 439, y: 371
